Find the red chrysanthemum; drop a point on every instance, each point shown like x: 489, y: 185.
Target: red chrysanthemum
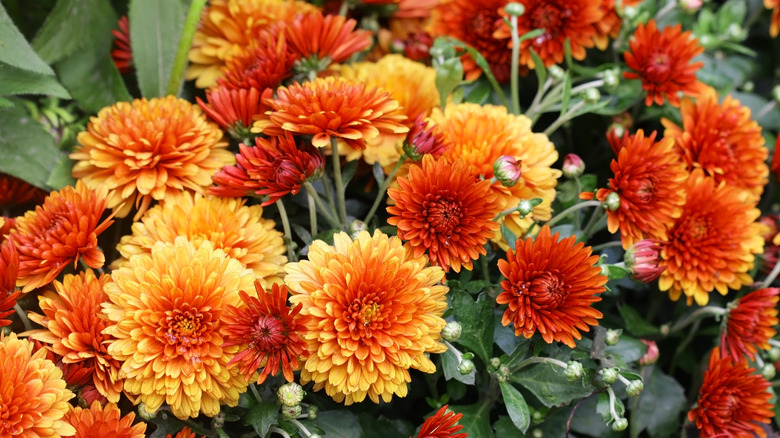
x: 550, y: 286
x: 443, y: 424
x: 751, y: 323
x: 317, y: 40
x: 270, y: 333
x: 9, y: 269
x: 233, y: 109
x: 425, y: 138
x: 104, y: 421
x: 265, y: 63
x: 662, y: 60
x: 732, y: 400
x: 440, y: 207
x: 722, y: 140
x: 14, y: 191
x: 274, y: 167
x: 59, y: 232
x: 122, y: 54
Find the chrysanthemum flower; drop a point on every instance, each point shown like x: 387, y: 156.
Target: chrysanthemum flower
x: 122, y: 54
x: 474, y: 22
x: 32, y: 392
x: 184, y: 433
x: 643, y: 259
x: 227, y: 27
x: 550, y: 286
x: 611, y: 21
x: 167, y: 311
x: 751, y: 323
x: 62, y: 230
x: 335, y: 107
x: 443, y: 424
x: 425, y: 138
x: 228, y: 224
x: 561, y: 20
x: 265, y: 63
x: 774, y: 27
x: 479, y: 134
x: 104, y: 421
x: 732, y: 400
x: 233, y: 110
x: 662, y: 60
x: 149, y: 149
x: 442, y: 209
x: 713, y: 242
x: 73, y: 329
x: 14, y: 191
x: 9, y: 269
x: 722, y: 140
x: 275, y: 167
x: 375, y: 311
x: 269, y: 332
x: 650, y: 180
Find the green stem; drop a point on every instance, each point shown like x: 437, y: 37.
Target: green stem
x: 612, y: 399
x: 564, y: 118
x: 323, y: 209
x: 280, y: 431
x: 253, y: 387
x: 328, y: 189
x: 340, y: 188
x: 286, y: 227
x: 593, y: 222
x: 696, y: 315
x: 23, y: 317
x: 668, y: 7
x: 765, y: 110
x: 187, y: 34
x: 515, y: 66
x: 539, y: 359
x: 344, y: 8
x: 613, y: 244
x: 300, y: 426
x: 312, y: 214
x: 772, y: 275
x: 592, y: 84
x: 579, y: 206
x: 383, y: 188
x: 197, y: 428
x: 683, y: 345
x: 534, y: 110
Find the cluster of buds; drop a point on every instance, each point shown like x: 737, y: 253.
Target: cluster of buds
x: 291, y: 395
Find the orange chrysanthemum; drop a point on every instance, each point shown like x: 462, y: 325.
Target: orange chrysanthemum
x: 184, y: 433
x: 73, y: 329
x: 443, y: 424
x: 122, y: 54
x: 104, y: 421
x: 650, y: 180
x: 265, y: 63
x: 228, y: 224
x: 375, y: 311
x: 774, y: 27
x: 335, y: 107
x: 62, y: 230
x: 227, y: 27
x: 9, y: 269
x: 750, y: 324
x: 474, y: 22
x: 550, y: 286
x: 32, y: 393
x: 611, y: 21
x: 480, y: 134
x: 14, y: 191
x: 269, y: 332
x: 317, y: 40
x: 732, y: 400
x: 167, y: 313
x: 561, y: 20
x: 713, y: 242
x: 233, y: 110
x: 722, y: 140
x: 662, y: 60
x: 440, y: 207
x: 149, y: 149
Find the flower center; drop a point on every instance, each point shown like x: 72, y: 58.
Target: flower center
x: 442, y: 213
x: 268, y: 333
x: 659, y: 67
x: 547, y: 290
x: 365, y: 315
x: 482, y: 25
x: 644, y: 189
x: 185, y: 329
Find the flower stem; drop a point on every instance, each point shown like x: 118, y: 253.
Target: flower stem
x: 253, y: 387
x: 300, y: 426
x: 590, y: 227
x: 765, y: 110
x: 286, y: 227
x: 572, y: 209
x: 668, y: 7
x: 772, y: 275
x: 280, y: 431
x: 23, y: 317
x: 383, y: 188
x: 341, y: 203
x: 312, y: 213
x: 515, y: 66
x: 612, y: 399
x: 683, y: 345
x: 539, y: 359
x: 564, y: 118
x: 185, y: 42
x: 592, y: 84
x: 323, y: 209
x: 344, y: 8
x: 695, y: 316
x: 613, y: 244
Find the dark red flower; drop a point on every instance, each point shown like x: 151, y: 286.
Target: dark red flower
x: 123, y: 52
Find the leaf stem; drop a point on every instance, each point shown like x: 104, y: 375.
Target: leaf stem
x: 579, y: 206
x: 564, y: 118
x: 322, y: 208
x: 23, y: 317
x: 695, y: 316
x: 341, y: 203
x: 539, y: 359
x: 300, y: 426
x: 383, y: 188
x: 613, y: 244
x: 185, y: 42
x: 286, y: 227
x: 772, y: 275
x: 312, y: 214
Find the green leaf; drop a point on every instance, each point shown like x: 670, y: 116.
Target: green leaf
x: 566, y: 93
x: 15, y: 81
x: 550, y: 385
x: 539, y: 69
x: 480, y: 92
x: 373, y: 427
x: 339, y: 424
x: 16, y: 51
x: 166, y: 424
x: 93, y: 80
x: 27, y: 151
x: 348, y: 171
x: 303, y: 233
x: 616, y: 272
x: 628, y: 349
x: 475, y: 420
x: 379, y: 174
x: 659, y: 406
x: 449, y: 364
x: 61, y: 174
x: 516, y: 406
x: 602, y: 407
x: 476, y: 319
x: 509, y: 236
x: 635, y: 324
x: 71, y: 25
x: 262, y: 416
x: 449, y: 75
x: 155, y: 29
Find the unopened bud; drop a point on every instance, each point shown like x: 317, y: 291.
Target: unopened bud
x: 776, y: 93
x: 556, y: 72
x: 315, y: 435
x: 630, y: 12
x: 312, y: 411
x: 537, y: 433
x: 635, y: 388
x: 735, y: 32
x: 525, y: 207
x: 291, y: 411
x: 397, y: 46
x: 508, y: 170
x: 355, y: 227
x: 290, y: 394
x: 537, y: 417
x: 613, y: 336
x: 573, y: 166
x: 591, y: 95
x: 774, y: 354
x: 769, y: 371
x: 574, y: 371
x: 613, y: 201
x: 706, y: 40
x: 611, y: 78
x: 452, y: 331
x: 690, y: 5
x: 620, y: 424
x: 495, y: 362
x: 642, y: 260
x: 465, y: 366
x: 218, y: 420
x: 609, y: 375
x: 514, y: 9
x: 144, y: 413
x: 749, y: 86
x: 504, y: 370
x: 651, y: 356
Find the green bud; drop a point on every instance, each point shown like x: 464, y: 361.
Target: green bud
x: 592, y: 95
x: 774, y: 354
x: 291, y: 411
x: 613, y: 201
x: 609, y: 375
x: 452, y: 331
x: 290, y: 394
x: 556, y: 72
x: 776, y: 93
x: 504, y: 371
x: 630, y: 12
x: 312, y: 411
x: 537, y: 433
x: 768, y: 371
x: 355, y: 227
x: 514, y: 9
x: 735, y: 32
x: 495, y: 362
x: 749, y: 86
x: 315, y: 435
x: 620, y: 424
x: 144, y: 413
x: 611, y: 78
x: 706, y: 40
x: 537, y: 417
x: 613, y: 336
x: 525, y: 207
x: 635, y: 388
x: 467, y: 356
x: 465, y: 366
x: 574, y: 371
x: 218, y: 421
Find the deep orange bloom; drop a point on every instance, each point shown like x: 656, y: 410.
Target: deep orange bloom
x: 662, y: 60
x: 732, y: 400
x: 269, y: 332
x: 184, y: 433
x: 774, y: 27
x: 650, y: 180
x: 611, y: 22
x: 441, y: 208
x: 233, y: 109
x: 317, y: 40
x: 62, y: 230
x: 73, y: 328
x: 6, y: 225
x: 443, y: 424
x: 32, y: 393
x: 550, y: 286
x: 148, y: 149
x: 561, y: 20
x: 751, y: 323
x: 275, y: 167
x: 104, y: 421
x: 14, y: 191
x: 713, y: 242
x: 264, y: 63
x: 9, y: 269
x: 335, y: 107
x: 425, y: 138
x: 375, y: 311
x: 122, y: 53
x: 722, y: 140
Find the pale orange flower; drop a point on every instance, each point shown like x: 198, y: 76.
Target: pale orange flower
x: 104, y: 421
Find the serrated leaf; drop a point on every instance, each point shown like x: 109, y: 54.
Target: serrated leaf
x: 262, y: 416
x: 155, y: 30
x: 659, y: 406
x: 551, y: 386
x: 348, y: 171
x: 449, y: 363
x: 15, y: 81
x: 16, y: 51
x: 516, y: 406
x: 71, y: 25
x: 475, y: 420
x: 27, y: 151
x: 635, y: 324
x: 339, y: 424
x: 476, y: 319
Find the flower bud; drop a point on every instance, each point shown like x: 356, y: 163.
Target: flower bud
x: 537, y: 433
x: 525, y: 207
x: 613, y: 336
x: 768, y: 371
x: 574, y: 371
x: 642, y: 260
x: 508, y: 170
x: 290, y: 394
x: 609, y: 375
x: 144, y: 413
x: 537, y: 417
x: 514, y: 9
x: 556, y: 72
x: 218, y: 420
x: 635, y: 388
x: 424, y: 139
x: 706, y: 40
x: 613, y: 201
x: 291, y: 411
x: 651, y: 356
x: 774, y: 354
x: 397, y: 46
x: 504, y: 370
x: 776, y: 93
x: 592, y: 95
x: 611, y: 78
x: 735, y: 32
x: 495, y: 362
x: 312, y: 411
x: 355, y: 227
x: 620, y: 424
x: 573, y: 166
x: 465, y: 366
x: 749, y: 86
x: 452, y: 331
x: 690, y: 5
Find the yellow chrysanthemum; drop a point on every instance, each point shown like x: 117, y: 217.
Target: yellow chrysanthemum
x: 167, y: 310
x: 479, y: 134
x: 227, y: 223
x: 33, y: 396
x: 374, y: 312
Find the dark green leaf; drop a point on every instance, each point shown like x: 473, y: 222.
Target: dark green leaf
x: 92, y: 79
x: 504, y: 427
x: 61, y: 175
x: 262, y: 416
x: 303, y: 233
x: 71, y: 25
x: 476, y: 420
x: 155, y: 29
x: 635, y: 324
x: 16, y: 51
x: 660, y: 405
x: 602, y: 407
x: 516, y: 406
x: 504, y: 335
x: 372, y: 427
x: 15, y: 81
x: 539, y: 69
x: 222, y: 434
x: 480, y: 92
x: 339, y: 424
x: 379, y: 174
x: 449, y: 363
x: 628, y: 349
x: 27, y: 151
x: 509, y: 236
x: 585, y: 420
x: 550, y: 385
x: 166, y: 424
x: 348, y: 171
x: 476, y: 319
x: 5, y: 103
